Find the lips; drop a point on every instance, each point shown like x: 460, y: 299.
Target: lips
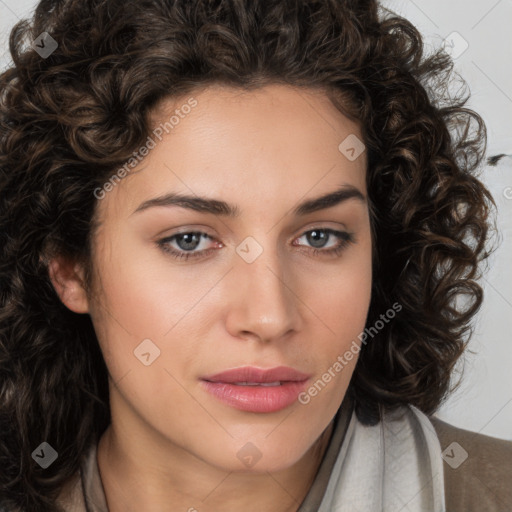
x: 256, y: 389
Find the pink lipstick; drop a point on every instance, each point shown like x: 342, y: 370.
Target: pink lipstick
x: 256, y: 389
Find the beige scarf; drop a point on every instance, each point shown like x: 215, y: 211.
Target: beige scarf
x: 394, y: 466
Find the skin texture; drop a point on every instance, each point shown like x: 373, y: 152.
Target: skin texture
x: 171, y: 442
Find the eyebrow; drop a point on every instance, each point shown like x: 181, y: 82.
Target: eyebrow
x: 217, y: 207
x: 329, y: 200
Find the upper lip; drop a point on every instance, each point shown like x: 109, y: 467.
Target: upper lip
x: 258, y: 375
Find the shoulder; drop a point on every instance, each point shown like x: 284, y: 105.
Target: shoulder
x: 477, y: 470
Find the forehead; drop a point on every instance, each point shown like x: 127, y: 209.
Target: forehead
x: 276, y: 143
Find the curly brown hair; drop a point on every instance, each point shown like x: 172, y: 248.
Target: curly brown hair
x: 70, y: 119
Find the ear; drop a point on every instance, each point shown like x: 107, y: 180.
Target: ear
x: 67, y: 278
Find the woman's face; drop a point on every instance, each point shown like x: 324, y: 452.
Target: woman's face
x: 215, y: 254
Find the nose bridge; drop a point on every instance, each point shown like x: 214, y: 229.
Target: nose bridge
x: 265, y: 304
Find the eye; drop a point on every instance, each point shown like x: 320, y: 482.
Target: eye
x: 326, y: 240
x: 187, y: 244
x: 193, y: 244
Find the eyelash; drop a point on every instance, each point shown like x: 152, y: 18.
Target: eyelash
x: 345, y: 239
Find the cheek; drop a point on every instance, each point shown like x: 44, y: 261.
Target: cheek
x: 148, y: 294
x: 346, y: 307
x: 140, y: 299
x: 339, y: 300
x: 340, y: 297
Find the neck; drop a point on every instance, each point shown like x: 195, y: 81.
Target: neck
x: 151, y: 475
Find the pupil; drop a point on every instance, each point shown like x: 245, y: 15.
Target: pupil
x: 188, y: 241
x: 317, y: 238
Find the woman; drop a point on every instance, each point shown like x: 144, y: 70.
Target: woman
x: 232, y: 238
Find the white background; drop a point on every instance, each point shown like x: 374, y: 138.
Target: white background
x: 483, y: 403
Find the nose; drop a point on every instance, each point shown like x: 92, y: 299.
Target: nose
x: 263, y: 304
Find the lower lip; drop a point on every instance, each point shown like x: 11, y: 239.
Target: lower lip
x: 256, y: 398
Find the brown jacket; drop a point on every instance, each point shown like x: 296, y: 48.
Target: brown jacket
x: 483, y: 481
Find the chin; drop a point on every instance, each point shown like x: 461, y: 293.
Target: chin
x: 256, y: 457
